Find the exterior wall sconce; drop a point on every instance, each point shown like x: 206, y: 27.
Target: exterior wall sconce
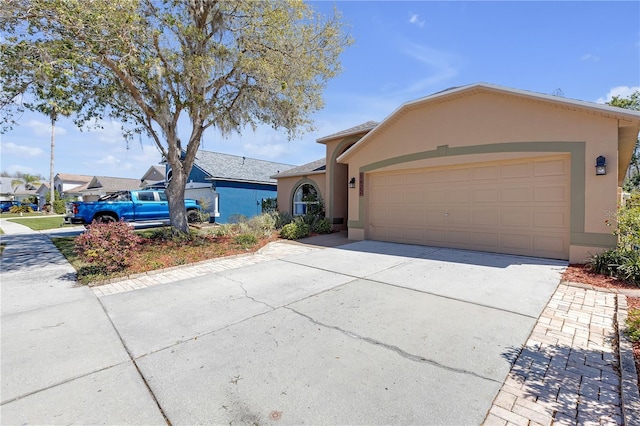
x: 352, y: 183
x: 601, y: 166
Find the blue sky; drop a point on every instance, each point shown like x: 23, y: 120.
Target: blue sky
x: 402, y: 51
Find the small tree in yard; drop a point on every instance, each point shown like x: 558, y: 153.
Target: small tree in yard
x: 149, y: 63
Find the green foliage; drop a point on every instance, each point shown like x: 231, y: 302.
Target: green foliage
x: 246, y: 240
x: 269, y: 205
x: 21, y: 209
x: 107, y: 246
x: 282, y: 219
x: 237, y: 218
x: 295, y: 230
x: 264, y: 223
x: 322, y: 226
x: 633, y: 325
x: 59, y: 206
x: 624, y: 261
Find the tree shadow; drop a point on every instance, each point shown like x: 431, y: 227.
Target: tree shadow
x: 572, y: 384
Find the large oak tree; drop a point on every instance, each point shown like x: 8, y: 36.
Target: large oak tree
x: 152, y: 63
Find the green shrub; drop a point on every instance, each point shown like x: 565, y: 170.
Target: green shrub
x: 246, y: 240
x: 107, y: 246
x: 322, y: 226
x: 237, y: 218
x: 281, y: 219
x: 264, y: 223
x: 21, y: 209
x: 623, y: 262
x: 59, y: 207
x: 633, y: 325
x: 295, y: 230
x: 223, y: 230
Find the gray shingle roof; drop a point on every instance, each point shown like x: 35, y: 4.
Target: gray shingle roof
x: 351, y: 131
x: 234, y: 167
x: 109, y: 184
x: 314, y: 167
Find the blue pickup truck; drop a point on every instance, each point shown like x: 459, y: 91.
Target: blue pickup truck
x: 130, y: 206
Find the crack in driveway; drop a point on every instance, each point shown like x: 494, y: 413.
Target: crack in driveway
x: 393, y: 348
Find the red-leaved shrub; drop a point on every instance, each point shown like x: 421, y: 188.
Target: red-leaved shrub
x: 107, y: 246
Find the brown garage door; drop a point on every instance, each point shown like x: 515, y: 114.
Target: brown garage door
x: 517, y: 207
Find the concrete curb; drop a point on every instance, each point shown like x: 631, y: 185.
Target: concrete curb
x: 629, y: 375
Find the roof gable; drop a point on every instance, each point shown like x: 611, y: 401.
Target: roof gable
x: 625, y: 117
x: 360, y: 128
x: 314, y: 167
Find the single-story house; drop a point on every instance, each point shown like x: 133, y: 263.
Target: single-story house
x: 67, y: 184
x: 154, y: 177
x: 242, y: 183
x: 479, y: 167
x: 11, y: 190
x: 100, y: 186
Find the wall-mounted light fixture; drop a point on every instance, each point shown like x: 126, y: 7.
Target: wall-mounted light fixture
x: 352, y: 183
x: 601, y: 166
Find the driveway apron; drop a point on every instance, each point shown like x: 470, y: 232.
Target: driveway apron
x: 365, y: 333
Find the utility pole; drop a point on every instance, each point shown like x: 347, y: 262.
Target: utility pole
x: 52, y: 196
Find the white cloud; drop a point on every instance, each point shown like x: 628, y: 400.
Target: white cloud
x: 109, y: 132
x: 438, y: 62
x: 21, y: 151
x: 415, y: 20
x: 109, y: 160
x: 22, y: 169
x: 590, y: 57
x: 42, y: 128
x: 266, y: 151
x: 619, y: 91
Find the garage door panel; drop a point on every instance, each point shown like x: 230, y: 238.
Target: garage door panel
x: 459, y: 175
x: 550, y: 219
x: 489, y: 217
x: 518, y: 207
x: 516, y: 218
x: 485, y: 173
x: 556, y: 167
x: 490, y: 241
x: 549, y: 193
x: 517, y: 170
x: 516, y: 194
x: 485, y: 195
x: 459, y: 195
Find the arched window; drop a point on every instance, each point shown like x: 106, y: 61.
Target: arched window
x: 305, y: 199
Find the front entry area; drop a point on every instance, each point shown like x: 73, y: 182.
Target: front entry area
x: 519, y: 207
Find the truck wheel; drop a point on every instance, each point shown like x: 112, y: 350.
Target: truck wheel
x: 105, y: 218
x: 193, y: 216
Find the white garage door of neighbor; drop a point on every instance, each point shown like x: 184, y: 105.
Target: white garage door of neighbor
x: 517, y: 207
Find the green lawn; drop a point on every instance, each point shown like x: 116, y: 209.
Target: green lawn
x: 40, y: 223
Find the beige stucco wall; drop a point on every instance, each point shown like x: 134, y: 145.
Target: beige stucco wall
x: 287, y: 186
x: 471, y: 122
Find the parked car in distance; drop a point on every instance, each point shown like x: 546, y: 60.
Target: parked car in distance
x: 5, y: 206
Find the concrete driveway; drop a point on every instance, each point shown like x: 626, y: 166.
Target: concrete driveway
x: 365, y: 333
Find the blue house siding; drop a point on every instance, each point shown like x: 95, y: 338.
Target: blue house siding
x: 241, y: 198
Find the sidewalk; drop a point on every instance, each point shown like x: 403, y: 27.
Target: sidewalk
x: 62, y: 361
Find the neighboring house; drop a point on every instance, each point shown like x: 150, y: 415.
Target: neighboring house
x: 478, y: 167
x: 10, y: 191
x: 154, y: 177
x: 67, y: 184
x: 241, y: 183
x: 42, y: 192
x: 104, y: 185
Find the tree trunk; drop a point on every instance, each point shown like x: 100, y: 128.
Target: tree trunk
x: 175, y: 194
x: 52, y: 197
